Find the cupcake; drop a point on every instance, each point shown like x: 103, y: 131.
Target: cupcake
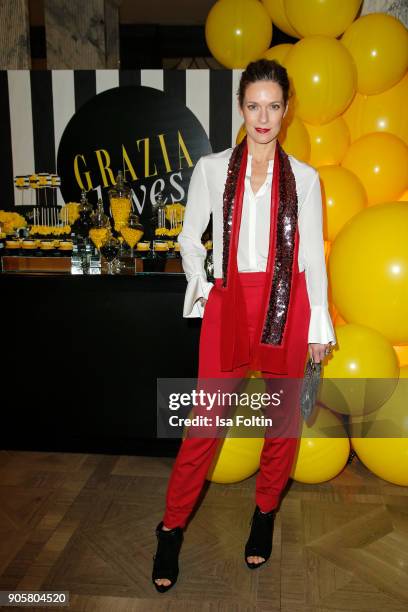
x: 161, y: 246
x: 13, y: 245
x: 47, y: 245
x: 29, y: 245
x: 65, y: 245
x: 143, y: 246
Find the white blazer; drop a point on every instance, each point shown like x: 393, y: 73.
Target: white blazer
x: 205, y: 197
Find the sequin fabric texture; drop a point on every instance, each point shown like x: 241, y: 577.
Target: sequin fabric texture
x: 277, y: 311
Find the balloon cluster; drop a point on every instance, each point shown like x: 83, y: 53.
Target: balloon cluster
x: 349, y: 89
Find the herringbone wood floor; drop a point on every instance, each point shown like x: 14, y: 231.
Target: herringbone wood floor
x: 85, y: 523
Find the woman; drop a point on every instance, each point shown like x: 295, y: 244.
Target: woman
x: 268, y: 306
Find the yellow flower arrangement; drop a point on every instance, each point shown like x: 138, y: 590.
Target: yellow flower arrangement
x: 11, y: 221
x: 69, y: 212
x: 44, y: 230
x: 165, y: 231
x: 175, y: 211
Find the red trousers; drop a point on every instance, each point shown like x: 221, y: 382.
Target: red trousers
x: 196, y: 454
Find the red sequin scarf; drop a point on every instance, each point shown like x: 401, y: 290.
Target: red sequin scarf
x: 270, y: 350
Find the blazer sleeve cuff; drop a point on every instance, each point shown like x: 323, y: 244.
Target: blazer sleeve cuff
x: 321, y: 327
x: 197, y: 287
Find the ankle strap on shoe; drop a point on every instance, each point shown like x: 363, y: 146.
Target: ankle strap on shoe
x: 269, y: 514
x: 174, y: 531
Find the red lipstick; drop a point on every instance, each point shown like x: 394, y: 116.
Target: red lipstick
x: 263, y: 130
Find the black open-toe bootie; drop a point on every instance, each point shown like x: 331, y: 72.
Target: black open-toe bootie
x: 166, y: 558
x: 259, y: 543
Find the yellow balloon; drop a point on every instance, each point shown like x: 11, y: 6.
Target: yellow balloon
x: 379, y: 45
x: 385, y: 457
x: 380, y: 161
x: 389, y: 421
x: 321, y: 456
x: 402, y: 354
x: 325, y: 17
x: 338, y: 320
x: 238, y: 32
x: 363, y: 356
x: 311, y: 64
x: 329, y: 142
x: 295, y: 140
x: 327, y: 247
x: 380, y: 112
x: 363, y: 353
x: 343, y: 197
x: 277, y: 12
x: 278, y: 53
x: 404, y: 371
x: 237, y: 459
x: 368, y: 270
x: 404, y: 197
x: 241, y: 134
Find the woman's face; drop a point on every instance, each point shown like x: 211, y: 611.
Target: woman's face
x: 263, y: 109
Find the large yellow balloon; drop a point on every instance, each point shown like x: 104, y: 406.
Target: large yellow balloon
x: 343, y: 197
x: 276, y: 10
x: 380, y: 161
x: 327, y: 247
x: 311, y: 65
x: 278, y: 53
x: 363, y: 356
x: 385, y: 457
x: 241, y: 134
x: 238, y: 459
x: 380, y: 113
x: 368, y: 270
x: 325, y: 17
x: 379, y: 46
x: 389, y: 421
x: 402, y: 354
x: 321, y: 456
x: 338, y: 320
x: 329, y: 142
x: 404, y: 371
x: 295, y: 139
x: 238, y: 31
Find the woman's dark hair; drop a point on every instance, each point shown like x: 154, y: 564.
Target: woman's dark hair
x: 264, y: 70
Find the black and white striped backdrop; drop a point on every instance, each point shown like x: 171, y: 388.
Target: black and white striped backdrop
x: 35, y: 107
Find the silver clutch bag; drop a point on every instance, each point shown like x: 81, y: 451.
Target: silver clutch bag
x: 310, y: 388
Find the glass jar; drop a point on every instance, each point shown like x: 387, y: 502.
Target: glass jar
x: 83, y: 223
x: 120, y: 202
x: 100, y: 226
x: 132, y: 232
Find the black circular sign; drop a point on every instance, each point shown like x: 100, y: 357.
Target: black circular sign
x: 152, y: 137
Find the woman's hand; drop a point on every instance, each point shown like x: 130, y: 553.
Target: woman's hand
x: 202, y: 301
x: 319, y: 351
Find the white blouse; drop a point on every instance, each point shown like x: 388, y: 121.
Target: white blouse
x: 205, y: 197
